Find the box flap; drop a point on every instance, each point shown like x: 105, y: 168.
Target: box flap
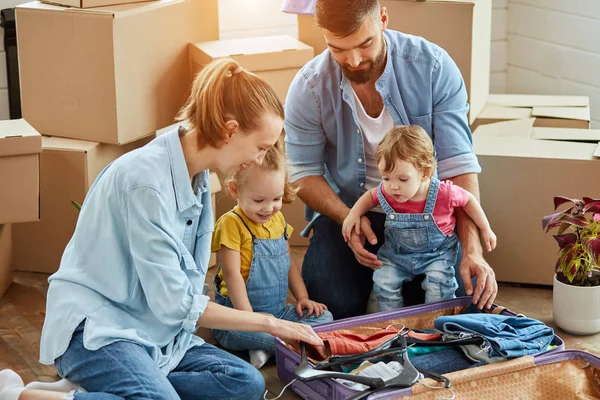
x: 579, y: 113
x: 38, y: 5
x: 517, y: 128
x: 597, y: 152
x: 566, y: 134
x: 527, y: 148
x: 501, y: 112
x: 255, y: 54
x: 532, y: 100
x: 215, y: 183
x: 18, y: 137
x: 56, y: 143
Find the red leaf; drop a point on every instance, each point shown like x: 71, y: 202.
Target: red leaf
x: 577, y: 220
x: 548, y: 219
x: 593, y: 206
x: 558, y: 200
x: 592, y: 245
x: 588, y: 200
x: 565, y: 240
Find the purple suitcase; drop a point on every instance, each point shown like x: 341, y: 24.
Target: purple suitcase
x: 329, y: 389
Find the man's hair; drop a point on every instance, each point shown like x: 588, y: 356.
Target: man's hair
x: 407, y: 143
x: 344, y: 17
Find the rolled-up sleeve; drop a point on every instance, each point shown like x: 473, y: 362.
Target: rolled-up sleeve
x: 304, y: 135
x: 451, y: 134
x: 157, y: 260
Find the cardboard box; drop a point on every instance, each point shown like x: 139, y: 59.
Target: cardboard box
x: 68, y: 168
x: 523, y: 169
x: 112, y: 74
x: 276, y: 59
x: 461, y: 27
x: 5, y: 258
x: 548, y: 111
x: 20, y: 147
x: 293, y: 213
x: 91, y: 3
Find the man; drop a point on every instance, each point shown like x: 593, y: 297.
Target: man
x: 338, y: 108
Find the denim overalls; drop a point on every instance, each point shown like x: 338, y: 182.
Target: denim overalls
x: 267, y: 288
x: 415, y: 245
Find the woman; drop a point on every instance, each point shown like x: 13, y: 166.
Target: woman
x: 123, y: 307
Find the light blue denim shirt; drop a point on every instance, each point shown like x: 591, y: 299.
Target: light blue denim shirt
x: 420, y: 85
x: 135, y: 266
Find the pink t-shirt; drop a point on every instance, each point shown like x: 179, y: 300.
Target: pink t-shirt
x: 449, y: 197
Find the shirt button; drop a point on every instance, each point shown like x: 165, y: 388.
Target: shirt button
x: 360, y: 160
x: 189, y: 222
x: 392, y: 216
x: 358, y: 131
x: 426, y: 217
x: 362, y: 184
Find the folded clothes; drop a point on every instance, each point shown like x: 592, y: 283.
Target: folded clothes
x: 385, y: 371
x: 507, y: 336
x: 341, y: 343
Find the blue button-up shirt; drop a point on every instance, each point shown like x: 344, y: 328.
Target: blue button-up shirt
x: 135, y: 266
x: 420, y: 85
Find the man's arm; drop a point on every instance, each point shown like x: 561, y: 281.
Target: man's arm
x: 456, y: 161
x: 316, y: 193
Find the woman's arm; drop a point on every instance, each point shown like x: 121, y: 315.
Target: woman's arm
x: 230, y: 263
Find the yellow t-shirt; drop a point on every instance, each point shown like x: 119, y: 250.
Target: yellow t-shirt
x: 231, y: 233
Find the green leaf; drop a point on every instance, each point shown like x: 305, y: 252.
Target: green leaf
x: 76, y: 204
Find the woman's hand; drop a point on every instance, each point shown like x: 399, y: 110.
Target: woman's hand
x: 292, y: 332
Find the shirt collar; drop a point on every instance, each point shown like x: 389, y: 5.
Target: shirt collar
x: 185, y: 193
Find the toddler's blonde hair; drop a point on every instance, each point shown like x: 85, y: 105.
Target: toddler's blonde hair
x: 409, y: 143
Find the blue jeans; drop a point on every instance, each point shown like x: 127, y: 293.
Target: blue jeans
x: 123, y: 370
x: 240, y: 341
x: 438, y: 268
x: 334, y: 277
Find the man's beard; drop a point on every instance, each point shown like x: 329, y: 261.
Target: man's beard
x: 365, y: 75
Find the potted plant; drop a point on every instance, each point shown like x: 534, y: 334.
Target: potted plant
x: 576, y: 296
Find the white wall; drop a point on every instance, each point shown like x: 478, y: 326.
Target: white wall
x: 498, y: 61
x: 554, y: 48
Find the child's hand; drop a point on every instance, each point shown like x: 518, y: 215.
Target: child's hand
x: 352, y: 222
x: 489, y: 239
x: 310, y: 306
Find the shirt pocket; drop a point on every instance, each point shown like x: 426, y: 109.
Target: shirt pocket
x: 424, y: 121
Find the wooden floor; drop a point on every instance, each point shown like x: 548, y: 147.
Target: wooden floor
x: 22, y: 311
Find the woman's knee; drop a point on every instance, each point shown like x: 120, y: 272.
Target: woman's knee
x: 249, y: 384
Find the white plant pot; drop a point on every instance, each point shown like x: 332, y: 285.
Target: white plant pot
x: 576, y: 309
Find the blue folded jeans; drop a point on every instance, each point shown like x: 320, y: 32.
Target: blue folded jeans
x: 507, y: 336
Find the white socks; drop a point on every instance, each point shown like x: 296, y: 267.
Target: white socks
x: 258, y: 358
x: 11, y: 385
x: 64, y: 385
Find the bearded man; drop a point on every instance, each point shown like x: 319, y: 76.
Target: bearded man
x: 338, y: 108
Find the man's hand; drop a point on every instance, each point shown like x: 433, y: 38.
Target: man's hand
x: 474, y: 265
x: 357, y: 241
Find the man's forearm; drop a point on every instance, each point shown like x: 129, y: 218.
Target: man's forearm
x: 316, y: 193
x: 465, y: 227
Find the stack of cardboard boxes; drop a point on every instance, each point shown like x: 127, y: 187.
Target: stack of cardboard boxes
x: 98, y: 79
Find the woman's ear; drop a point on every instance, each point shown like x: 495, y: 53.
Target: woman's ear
x: 231, y: 128
x: 233, y: 190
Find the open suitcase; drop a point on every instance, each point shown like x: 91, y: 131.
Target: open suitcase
x: 554, y: 374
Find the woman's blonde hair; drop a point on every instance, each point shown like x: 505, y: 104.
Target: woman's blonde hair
x: 224, y: 91
x: 274, y: 161
x: 408, y: 143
